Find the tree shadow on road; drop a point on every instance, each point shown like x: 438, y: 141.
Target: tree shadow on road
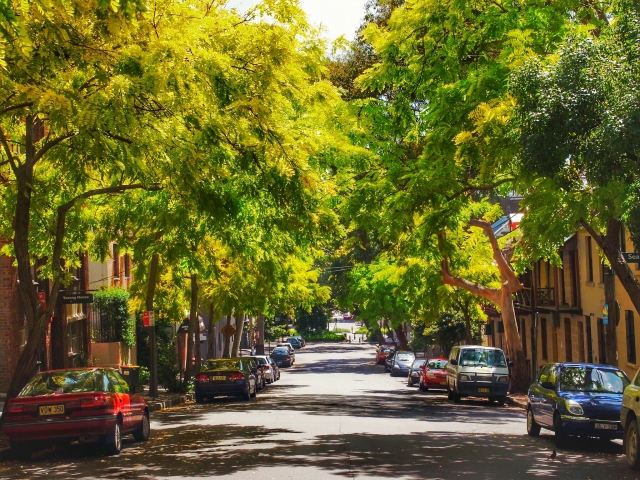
x: 196, y: 451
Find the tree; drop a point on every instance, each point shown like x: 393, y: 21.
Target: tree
x: 448, y: 330
x: 311, y: 321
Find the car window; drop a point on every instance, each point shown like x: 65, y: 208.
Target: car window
x: 102, y: 382
x: 482, y: 357
x: 118, y: 383
x: 589, y: 379
x: 404, y: 357
x: 543, y: 376
x: 75, y: 381
x: 454, y: 354
x: 220, y: 364
x: 437, y: 364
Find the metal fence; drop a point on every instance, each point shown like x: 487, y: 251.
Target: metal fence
x: 103, y: 327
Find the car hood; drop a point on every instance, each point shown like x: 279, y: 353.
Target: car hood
x: 593, y: 403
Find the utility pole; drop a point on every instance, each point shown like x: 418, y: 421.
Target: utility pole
x: 534, y: 322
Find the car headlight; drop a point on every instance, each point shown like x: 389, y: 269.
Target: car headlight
x: 502, y: 379
x: 464, y: 378
x: 574, y: 407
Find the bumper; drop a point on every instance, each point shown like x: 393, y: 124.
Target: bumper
x: 436, y: 383
x: 59, y: 428
x: 486, y: 390
x: 283, y: 363
x: 222, y: 390
x: 404, y: 370
x: 587, y: 427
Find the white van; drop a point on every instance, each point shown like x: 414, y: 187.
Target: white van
x: 478, y: 371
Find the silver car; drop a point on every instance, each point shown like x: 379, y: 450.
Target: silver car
x: 402, y: 362
x: 265, y: 363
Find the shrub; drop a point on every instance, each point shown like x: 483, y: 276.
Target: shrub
x: 113, y: 304
x: 325, y: 336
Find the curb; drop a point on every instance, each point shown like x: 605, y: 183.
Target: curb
x: 154, y: 406
x: 514, y: 403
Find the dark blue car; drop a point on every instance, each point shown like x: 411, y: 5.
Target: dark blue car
x: 577, y: 399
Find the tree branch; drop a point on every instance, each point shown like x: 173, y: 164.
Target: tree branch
x: 479, y: 188
x: 7, y: 151
x: 15, y: 107
x: 49, y: 145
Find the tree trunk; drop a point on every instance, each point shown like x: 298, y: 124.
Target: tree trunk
x: 467, y: 324
x: 379, y: 336
x: 260, y: 344
x: 402, y: 338
x: 153, y: 348
x: 238, y: 335
x: 520, y: 378
x: 227, y: 340
x: 211, y: 335
x: 610, y: 342
x: 193, y: 329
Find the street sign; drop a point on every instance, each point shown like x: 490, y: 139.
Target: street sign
x: 43, y: 300
x: 70, y: 298
x: 227, y: 330
x: 605, y: 314
x: 631, y: 257
x: 149, y: 318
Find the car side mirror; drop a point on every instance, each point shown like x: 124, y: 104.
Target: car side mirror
x: 510, y: 363
x: 453, y: 362
x: 548, y: 385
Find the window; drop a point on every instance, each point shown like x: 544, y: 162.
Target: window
x: 587, y: 320
x: 75, y: 331
x: 127, y: 266
x: 118, y: 383
x: 580, y: 342
x: 599, y: 380
x: 602, y: 271
x: 543, y: 337
x: 631, y: 337
x: 567, y: 340
x: 544, y: 373
x: 116, y: 262
x: 523, y: 336
x: 589, y: 260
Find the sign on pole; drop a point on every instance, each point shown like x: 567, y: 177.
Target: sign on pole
x: 227, y: 330
x: 605, y: 314
x: 70, y: 298
x: 631, y: 257
x: 149, y: 318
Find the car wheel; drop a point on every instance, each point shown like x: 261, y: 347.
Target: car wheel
x: 632, y: 443
x: 456, y: 397
x: 501, y: 401
x: 142, y: 433
x: 560, y: 436
x: 113, y: 440
x: 21, y: 450
x: 533, y: 429
x: 423, y: 387
x: 449, y: 393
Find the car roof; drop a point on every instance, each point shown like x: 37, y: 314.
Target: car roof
x: 77, y: 369
x: 405, y: 351
x: 588, y: 365
x: 477, y: 346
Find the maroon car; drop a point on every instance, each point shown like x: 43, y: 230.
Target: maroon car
x: 433, y: 374
x: 86, y: 404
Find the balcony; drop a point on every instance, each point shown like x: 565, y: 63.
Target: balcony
x: 544, y: 297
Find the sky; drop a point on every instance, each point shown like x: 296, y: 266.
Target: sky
x: 338, y: 17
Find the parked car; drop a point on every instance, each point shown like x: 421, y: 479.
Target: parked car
x: 283, y: 357
x: 433, y: 374
x: 577, y: 399
x: 414, y: 372
x: 287, y: 345
x: 295, y: 343
x: 629, y: 415
x: 389, y: 361
x: 382, y: 353
x: 301, y: 339
x: 86, y: 404
x: 275, y: 370
x: 401, y: 364
x: 226, y: 377
x: 477, y: 371
x: 255, y: 364
x: 265, y: 367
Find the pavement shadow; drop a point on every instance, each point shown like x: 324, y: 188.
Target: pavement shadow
x: 196, y: 451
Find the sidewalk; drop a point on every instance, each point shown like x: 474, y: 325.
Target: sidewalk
x: 517, y: 400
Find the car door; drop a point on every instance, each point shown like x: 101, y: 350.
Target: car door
x: 548, y: 398
x: 535, y: 391
x: 121, y: 390
x: 452, y: 369
x: 631, y: 396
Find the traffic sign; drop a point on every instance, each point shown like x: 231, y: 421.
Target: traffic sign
x: 227, y: 330
x: 631, y: 257
x: 149, y: 318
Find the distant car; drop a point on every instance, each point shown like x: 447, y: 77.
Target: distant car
x: 287, y: 345
x: 283, y: 357
x: 433, y: 374
x: 577, y: 399
x: 295, y: 343
x: 261, y: 378
x: 414, y: 373
x: 303, y: 342
x: 382, y: 353
x: 226, y: 377
x: 389, y: 361
x: 402, y: 362
x: 86, y: 404
x: 275, y: 370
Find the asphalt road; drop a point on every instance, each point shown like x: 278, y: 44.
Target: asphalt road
x: 334, y: 415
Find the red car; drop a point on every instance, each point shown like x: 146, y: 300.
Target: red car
x: 86, y: 404
x: 433, y: 374
x: 382, y: 353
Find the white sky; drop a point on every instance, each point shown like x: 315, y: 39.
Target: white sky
x: 338, y: 17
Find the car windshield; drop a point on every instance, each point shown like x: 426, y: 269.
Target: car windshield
x: 437, y: 364
x: 221, y: 365
x: 404, y: 357
x: 281, y: 351
x: 261, y: 361
x: 418, y: 363
x: 482, y: 357
x: 51, y: 383
x: 592, y: 379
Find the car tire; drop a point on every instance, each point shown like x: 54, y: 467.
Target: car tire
x: 142, y: 433
x: 533, y: 429
x: 501, y: 401
x: 424, y: 388
x: 456, y: 397
x: 21, y: 450
x: 632, y: 444
x: 247, y: 395
x: 449, y: 393
x: 113, y: 440
x: 560, y: 436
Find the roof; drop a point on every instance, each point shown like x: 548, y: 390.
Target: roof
x: 587, y: 365
x: 479, y: 346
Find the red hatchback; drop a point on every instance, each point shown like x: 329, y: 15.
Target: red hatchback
x: 382, y: 353
x: 86, y: 404
x: 433, y: 374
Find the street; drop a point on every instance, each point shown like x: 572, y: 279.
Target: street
x: 334, y: 414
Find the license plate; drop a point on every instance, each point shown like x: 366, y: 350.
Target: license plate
x: 51, y: 410
x: 218, y: 377
x: 484, y: 390
x: 443, y: 383
x: 606, y: 426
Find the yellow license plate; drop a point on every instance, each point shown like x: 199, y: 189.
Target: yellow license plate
x: 218, y: 377
x: 51, y: 410
x: 443, y: 383
x: 484, y: 390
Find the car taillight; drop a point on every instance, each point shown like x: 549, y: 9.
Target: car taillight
x: 202, y: 378
x: 267, y: 367
x: 96, y: 402
x: 287, y: 357
x: 15, y: 408
x: 236, y: 376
